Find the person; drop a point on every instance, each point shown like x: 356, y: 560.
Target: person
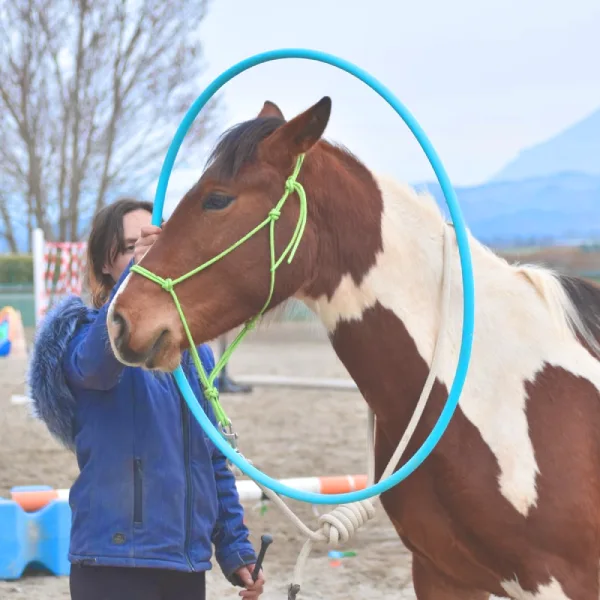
x: 153, y: 494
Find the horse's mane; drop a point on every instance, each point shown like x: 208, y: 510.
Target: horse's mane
x: 585, y: 299
x: 574, y: 302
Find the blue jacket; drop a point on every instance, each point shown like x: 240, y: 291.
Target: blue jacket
x: 153, y: 490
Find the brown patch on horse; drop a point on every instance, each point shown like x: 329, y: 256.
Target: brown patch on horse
x: 563, y: 412
x: 342, y: 191
x: 430, y: 584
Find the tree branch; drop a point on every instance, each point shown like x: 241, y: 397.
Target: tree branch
x: 89, y: 95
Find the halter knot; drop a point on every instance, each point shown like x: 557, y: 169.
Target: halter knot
x: 290, y: 184
x: 274, y: 213
x: 167, y: 285
x: 211, y: 393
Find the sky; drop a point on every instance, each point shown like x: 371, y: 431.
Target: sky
x: 484, y: 78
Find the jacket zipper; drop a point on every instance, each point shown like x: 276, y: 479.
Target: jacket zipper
x: 188, y: 478
x: 137, y: 491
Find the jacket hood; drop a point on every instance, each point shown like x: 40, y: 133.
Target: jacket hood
x: 53, y: 402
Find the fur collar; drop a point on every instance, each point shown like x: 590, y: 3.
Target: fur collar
x: 53, y: 402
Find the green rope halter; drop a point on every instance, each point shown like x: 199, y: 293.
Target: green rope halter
x: 168, y: 284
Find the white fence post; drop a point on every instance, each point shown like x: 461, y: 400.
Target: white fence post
x: 38, y: 247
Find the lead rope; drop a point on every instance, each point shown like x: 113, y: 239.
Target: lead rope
x: 342, y: 523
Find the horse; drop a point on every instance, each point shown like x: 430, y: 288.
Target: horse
x: 508, y: 502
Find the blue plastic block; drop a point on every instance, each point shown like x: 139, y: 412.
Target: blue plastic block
x: 5, y: 343
x: 39, y: 540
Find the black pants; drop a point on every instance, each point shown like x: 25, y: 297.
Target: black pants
x: 125, y: 583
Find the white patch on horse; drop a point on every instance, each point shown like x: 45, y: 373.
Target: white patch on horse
x: 520, y: 325
x: 111, y: 310
x: 348, y: 302
x: 551, y: 591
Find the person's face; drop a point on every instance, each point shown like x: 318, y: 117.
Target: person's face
x: 132, y: 227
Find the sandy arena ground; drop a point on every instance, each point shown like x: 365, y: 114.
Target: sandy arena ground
x: 286, y: 432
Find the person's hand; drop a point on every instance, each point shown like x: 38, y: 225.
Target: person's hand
x: 148, y: 235
x: 253, y: 588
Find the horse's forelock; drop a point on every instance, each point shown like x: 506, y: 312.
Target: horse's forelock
x: 238, y: 146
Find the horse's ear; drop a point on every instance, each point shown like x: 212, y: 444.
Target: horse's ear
x: 300, y: 134
x: 270, y: 109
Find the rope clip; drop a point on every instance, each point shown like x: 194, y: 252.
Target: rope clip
x: 230, y: 435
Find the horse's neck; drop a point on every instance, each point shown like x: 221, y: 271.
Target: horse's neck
x: 385, y: 323
x: 384, y: 328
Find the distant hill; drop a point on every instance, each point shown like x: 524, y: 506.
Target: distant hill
x: 549, y: 194
x: 576, y: 149
x: 554, y: 209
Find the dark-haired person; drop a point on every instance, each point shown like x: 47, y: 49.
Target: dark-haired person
x: 153, y: 494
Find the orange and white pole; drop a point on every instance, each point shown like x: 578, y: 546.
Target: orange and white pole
x: 32, y: 500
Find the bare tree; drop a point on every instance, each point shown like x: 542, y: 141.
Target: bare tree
x: 90, y: 95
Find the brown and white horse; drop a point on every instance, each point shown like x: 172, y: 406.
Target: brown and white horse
x: 509, y: 501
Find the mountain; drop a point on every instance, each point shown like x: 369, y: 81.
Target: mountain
x: 553, y: 209
x: 556, y: 208
x: 576, y: 149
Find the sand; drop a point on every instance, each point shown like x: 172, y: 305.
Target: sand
x: 286, y: 432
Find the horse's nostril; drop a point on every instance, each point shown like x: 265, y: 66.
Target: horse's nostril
x: 156, y: 347
x: 121, y: 327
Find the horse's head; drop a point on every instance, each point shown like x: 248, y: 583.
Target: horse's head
x: 244, y: 180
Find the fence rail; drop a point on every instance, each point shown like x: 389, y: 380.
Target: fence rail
x: 21, y: 297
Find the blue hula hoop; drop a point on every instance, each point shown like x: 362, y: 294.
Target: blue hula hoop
x: 465, y: 262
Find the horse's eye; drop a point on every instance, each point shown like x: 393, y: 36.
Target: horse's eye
x: 217, y: 202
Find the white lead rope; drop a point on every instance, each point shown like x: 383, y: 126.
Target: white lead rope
x: 340, y: 525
